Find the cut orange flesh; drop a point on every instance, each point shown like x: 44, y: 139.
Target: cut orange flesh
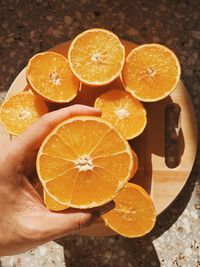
x: 19, y: 111
x: 50, y: 76
x: 96, y: 56
x: 151, y: 72
x: 84, y: 162
x: 124, y: 111
x: 52, y: 204
x: 134, y: 214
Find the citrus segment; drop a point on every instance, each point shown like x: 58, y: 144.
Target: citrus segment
x: 113, y: 162
x: 151, y: 72
x: 51, y: 203
x: 96, y: 56
x: 107, y: 147
x: 49, y: 166
x: 124, y: 111
x: 82, y: 193
x: 18, y: 112
x: 74, y: 135
x: 50, y: 76
x: 58, y: 148
x: 91, y: 179
x: 134, y: 213
x: 105, y: 181
x: 96, y: 178
x: 61, y: 187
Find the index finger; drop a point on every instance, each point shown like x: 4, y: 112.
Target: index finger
x: 33, y: 137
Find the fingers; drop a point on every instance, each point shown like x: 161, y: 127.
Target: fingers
x: 61, y: 224
x: 35, y: 134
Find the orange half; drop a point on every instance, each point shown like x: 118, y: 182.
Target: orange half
x: 124, y: 111
x: 84, y: 162
x: 96, y: 56
x: 19, y: 111
x: 50, y: 76
x: 151, y: 72
x: 134, y: 213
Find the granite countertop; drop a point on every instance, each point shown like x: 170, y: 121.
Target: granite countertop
x: 27, y: 28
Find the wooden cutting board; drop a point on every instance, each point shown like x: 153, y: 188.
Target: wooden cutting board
x: 171, y: 130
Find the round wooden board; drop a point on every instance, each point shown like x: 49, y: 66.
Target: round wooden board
x: 161, y: 182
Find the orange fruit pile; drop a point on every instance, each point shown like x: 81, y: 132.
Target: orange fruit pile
x: 87, y: 161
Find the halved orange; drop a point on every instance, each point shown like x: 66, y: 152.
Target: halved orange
x: 19, y: 111
x: 124, y: 111
x: 52, y: 204
x: 84, y: 162
x: 96, y: 56
x: 151, y: 72
x: 50, y: 76
x: 134, y: 213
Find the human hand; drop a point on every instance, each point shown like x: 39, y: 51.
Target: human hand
x: 24, y: 220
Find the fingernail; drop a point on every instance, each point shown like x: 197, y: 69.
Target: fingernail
x: 107, y: 208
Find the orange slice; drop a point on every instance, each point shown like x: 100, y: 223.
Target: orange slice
x: 19, y: 111
x: 52, y: 204
x: 151, y: 72
x: 84, y: 162
x: 96, y: 56
x: 50, y: 76
x: 134, y: 213
x: 124, y: 111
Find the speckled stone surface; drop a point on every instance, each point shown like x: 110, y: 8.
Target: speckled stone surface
x: 26, y: 29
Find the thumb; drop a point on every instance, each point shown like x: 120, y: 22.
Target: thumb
x: 58, y: 225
